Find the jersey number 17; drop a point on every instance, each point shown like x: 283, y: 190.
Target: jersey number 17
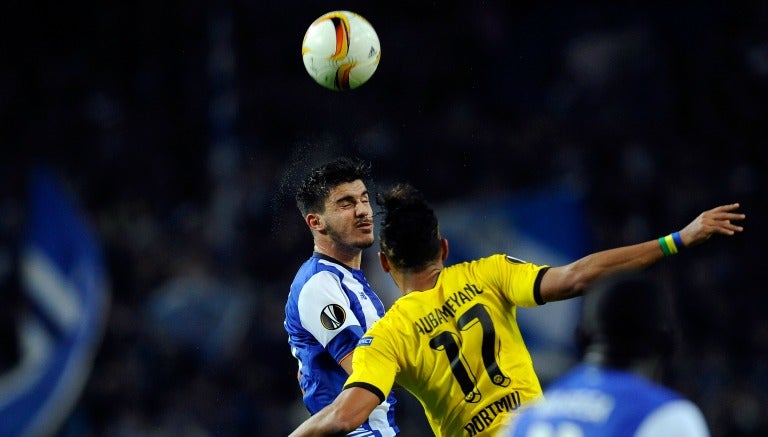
x: 451, y: 343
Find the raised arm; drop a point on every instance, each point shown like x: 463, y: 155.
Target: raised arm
x: 571, y: 280
x: 348, y: 411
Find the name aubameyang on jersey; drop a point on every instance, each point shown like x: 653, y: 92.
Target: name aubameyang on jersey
x: 440, y: 315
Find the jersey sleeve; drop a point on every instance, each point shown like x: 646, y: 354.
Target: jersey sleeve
x: 375, y: 362
x: 520, y: 281
x: 325, y: 312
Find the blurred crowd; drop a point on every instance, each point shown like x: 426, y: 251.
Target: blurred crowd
x: 182, y: 128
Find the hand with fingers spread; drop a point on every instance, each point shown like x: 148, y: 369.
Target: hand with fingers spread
x: 717, y: 220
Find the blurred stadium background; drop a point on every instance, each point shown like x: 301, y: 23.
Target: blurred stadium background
x: 547, y: 131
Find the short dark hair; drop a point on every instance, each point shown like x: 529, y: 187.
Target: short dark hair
x: 626, y: 317
x: 410, y: 234
x: 318, y: 183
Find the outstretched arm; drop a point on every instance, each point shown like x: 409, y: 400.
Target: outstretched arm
x: 348, y: 411
x: 571, y: 280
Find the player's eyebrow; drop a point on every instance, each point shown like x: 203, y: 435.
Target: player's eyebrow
x: 349, y: 198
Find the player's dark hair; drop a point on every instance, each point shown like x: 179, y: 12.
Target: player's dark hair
x: 409, y: 234
x: 318, y: 183
x: 625, y: 318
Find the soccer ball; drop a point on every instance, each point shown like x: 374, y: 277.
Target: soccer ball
x: 341, y: 50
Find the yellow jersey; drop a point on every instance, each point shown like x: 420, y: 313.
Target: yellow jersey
x: 457, y: 347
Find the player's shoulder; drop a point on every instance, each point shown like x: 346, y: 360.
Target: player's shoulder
x: 403, y: 306
x: 492, y: 262
x: 319, y: 263
x: 504, y: 258
x: 311, y: 269
x: 312, y: 284
x: 400, y: 314
x: 678, y: 416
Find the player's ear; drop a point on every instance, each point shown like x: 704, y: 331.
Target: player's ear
x: 384, y: 262
x: 443, y: 249
x: 314, y: 221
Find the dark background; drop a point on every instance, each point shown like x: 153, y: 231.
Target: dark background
x: 182, y: 127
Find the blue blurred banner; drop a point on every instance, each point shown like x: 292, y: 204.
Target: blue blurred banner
x: 66, y: 287
x: 544, y: 227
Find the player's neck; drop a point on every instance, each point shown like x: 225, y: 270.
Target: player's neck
x: 424, y: 279
x: 351, y: 257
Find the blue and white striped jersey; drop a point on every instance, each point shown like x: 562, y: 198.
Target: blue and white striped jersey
x: 330, y: 306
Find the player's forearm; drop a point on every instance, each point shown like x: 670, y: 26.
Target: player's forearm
x: 324, y: 423
x: 599, y: 264
x: 344, y: 415
x: 573, y: 279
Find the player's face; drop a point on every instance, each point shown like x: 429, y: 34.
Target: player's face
x: 348, y: 215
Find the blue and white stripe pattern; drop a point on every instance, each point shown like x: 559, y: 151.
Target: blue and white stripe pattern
x: 329, y: 307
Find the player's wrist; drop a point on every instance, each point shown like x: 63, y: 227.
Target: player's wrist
x: 671, y: 244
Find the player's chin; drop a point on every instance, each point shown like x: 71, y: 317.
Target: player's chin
x: 366, y: 241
